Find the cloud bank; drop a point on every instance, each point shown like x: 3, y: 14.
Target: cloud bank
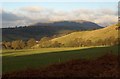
x: 33, y: 14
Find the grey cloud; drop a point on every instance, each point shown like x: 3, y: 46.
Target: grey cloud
x: 10, y: 19
x: 28, y: 15
x: 8, y: 16
x: 103, y: 17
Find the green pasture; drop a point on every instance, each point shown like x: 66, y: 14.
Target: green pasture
x: 14, y: 60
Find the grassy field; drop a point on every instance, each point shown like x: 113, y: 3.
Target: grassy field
x: 93, y: 35
x: 36, y: 51
x: 14, y: 60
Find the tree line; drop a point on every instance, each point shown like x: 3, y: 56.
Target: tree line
x: 46, y: 42
x: 79, y: 42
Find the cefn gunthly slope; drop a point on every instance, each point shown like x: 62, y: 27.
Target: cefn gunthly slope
x: 94, y: 35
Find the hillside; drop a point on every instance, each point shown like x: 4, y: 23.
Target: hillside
x: 40, y: 30
x: 94, y: 35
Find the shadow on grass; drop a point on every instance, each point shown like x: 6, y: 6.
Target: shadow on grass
x: 13, y: 63
x: 102, y: 67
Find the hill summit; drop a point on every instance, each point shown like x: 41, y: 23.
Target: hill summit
x: 79, y: 24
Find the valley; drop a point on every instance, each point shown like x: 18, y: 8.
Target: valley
x: 60, y: 39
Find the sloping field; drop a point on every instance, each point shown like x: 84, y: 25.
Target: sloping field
x: 94, y: 35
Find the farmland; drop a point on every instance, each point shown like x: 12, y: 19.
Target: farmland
x: 104, y: 66
x: 15, y: 60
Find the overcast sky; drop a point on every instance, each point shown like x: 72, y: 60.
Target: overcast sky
x: 26, y: 13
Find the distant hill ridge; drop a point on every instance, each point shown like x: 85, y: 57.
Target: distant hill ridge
x: 84, y: 25
x: 40, y: 30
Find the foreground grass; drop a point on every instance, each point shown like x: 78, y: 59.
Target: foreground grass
x: 19, y: 60
x: 104, y: 66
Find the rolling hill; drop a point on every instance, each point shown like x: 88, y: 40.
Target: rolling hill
x: 94, y: 35
x: 40, y: 30
x: 78, y: 24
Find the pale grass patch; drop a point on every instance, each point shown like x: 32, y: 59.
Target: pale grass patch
x: 22, y: 52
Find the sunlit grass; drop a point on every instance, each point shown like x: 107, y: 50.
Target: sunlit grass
x: 21, y: 52
x: 93, y: 35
